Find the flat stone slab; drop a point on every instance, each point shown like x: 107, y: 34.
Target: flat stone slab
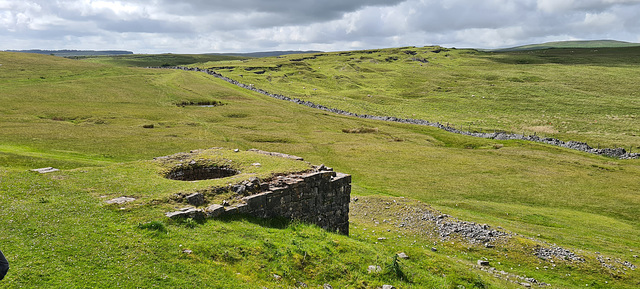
x: 186, y: 213
x: 45, y: 170
x: 286, y: 156
x: 195, y: 199
x: 120, y: 200
x: 214, y: 210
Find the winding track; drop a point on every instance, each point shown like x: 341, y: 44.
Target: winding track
x: 620, y: 153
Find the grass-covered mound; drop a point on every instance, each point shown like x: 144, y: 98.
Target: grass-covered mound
x: 102, y: 125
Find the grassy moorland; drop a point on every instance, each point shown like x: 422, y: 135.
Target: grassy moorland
x: 572, y: 94
x: 147, y: 60
x: 573, y: 44
x: 89, y: 120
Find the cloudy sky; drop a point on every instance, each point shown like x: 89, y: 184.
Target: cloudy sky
x: 201, y: 26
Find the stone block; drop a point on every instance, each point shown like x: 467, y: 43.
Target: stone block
x: 214, y: 210
x: 195, y: 199
x: 256, y: 201
x: 186, y: 213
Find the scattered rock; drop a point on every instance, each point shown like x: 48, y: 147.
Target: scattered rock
x: 434, y: 249
x: 388, y: 287
x: 187, y: 251
x: 195, y: 199
x: 483, y: 263
x: 239, y: 189
x: 277, y: 154
x: 236, y: 150
x: 610, y: 263
x: 382, y: 239
x: 402, y: 255
x: 225, y: 203
x: 558, y: 252
x: 327, y: 286
x: 120, y: 200
x: 256, y: 164
x: 45, y: 170
x: 374, y: 269
x: 277, y: 277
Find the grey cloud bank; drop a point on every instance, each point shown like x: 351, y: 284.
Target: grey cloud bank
x: 200, y: 26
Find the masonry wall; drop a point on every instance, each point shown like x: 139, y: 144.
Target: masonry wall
x: 320, y: 198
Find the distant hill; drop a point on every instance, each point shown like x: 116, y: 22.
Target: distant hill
x: 68, y: 53
x: 266, y: 53
x: 572, y: 44
x: 167, y: 59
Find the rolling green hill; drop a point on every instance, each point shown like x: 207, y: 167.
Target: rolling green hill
x: 102, y: 125
x: 155, y: 60
x: 570, y: 94
x: 573, y: 44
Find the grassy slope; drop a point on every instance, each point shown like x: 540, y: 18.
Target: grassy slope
x: 570, y: 94
x: 58, y: 108
x: 574, y: 44
x: 147, y: 60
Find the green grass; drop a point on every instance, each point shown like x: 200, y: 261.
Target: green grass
x: 154, y: 60
x: 573, y: 44
x: 572, y: 94
x: 88, y: 119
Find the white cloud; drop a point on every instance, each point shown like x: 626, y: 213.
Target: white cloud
x: 200, y: 26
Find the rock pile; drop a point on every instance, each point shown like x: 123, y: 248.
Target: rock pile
x: 553, y: 251
x: 610, y: 263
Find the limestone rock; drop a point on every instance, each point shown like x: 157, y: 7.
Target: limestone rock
x: 195, y: 199
x: 186, y: 213
x: 374, y: 269
x: 214, y: 210
x: 45, y: 170
x: 120, y: 200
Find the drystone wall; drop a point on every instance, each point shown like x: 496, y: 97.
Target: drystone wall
x: 620, y: 153
x: 320, y: 197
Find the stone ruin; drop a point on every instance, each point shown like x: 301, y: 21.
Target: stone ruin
x: 319, y: 196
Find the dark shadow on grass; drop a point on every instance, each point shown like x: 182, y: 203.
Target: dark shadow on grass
x: 274, y: 223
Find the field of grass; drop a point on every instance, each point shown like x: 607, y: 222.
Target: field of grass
x: 102, y: 124
x: 572, y: 94
x: 155, y: 60
x: 574, y: 44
